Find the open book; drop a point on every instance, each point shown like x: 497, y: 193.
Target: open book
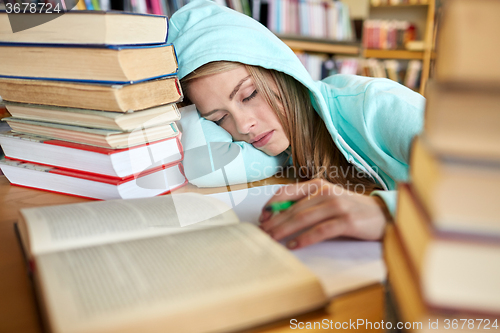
x: 177, y: 263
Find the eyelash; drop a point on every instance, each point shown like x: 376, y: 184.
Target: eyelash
x: 220, y: 120
x: 252, y: 95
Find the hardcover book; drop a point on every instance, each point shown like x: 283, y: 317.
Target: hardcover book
x: 149, y: 183
x: 105, y: 161
x: 467, y: 50
x: 87, y: 27
x: 93, y: 136
x: 111, y: 64
x: 459, y: 194
x: 176, y: 263
x: 104, y: 97
x: 128, y: 121
x: 418, y: 315
x: 457, y: 271
x: 463, y: 122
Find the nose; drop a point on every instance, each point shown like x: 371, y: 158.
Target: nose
x: 244, y: 122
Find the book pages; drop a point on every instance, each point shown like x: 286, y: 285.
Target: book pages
x: 63, y: 227
x: 341, y: 265
x: 182, y: 280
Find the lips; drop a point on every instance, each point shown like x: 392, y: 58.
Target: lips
x: 262, y: 139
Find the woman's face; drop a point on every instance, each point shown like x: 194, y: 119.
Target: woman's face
x: 230, y: 99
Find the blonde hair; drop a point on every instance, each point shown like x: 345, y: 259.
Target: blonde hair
x: 312, y: 147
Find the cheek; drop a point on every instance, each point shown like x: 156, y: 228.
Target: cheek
x: 230, y: 127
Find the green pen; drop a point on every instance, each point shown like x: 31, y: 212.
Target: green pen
x: 279, y: 206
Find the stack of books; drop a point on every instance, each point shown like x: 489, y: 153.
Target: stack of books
x: 443, y: 252
x: 92, y: 97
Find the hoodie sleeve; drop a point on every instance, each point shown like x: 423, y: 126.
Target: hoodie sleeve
x: 212, y: 158
x: 393, y: 116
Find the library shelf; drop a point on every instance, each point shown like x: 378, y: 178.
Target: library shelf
x: 309, y: 44
x: 399, y: 5
x: 393, y: 54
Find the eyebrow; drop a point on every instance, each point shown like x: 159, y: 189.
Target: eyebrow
x: 231, y: 96
x: 235, y: 90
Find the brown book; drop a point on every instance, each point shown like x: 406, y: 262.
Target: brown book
x: 83, y: 27
x: 112, y: 64
x: 176, y: 263
x: 128, y: 121
x: 94, y: 136
x: 461, y: 195
x: 463, y: 122
x: 456, y: 271
x: 105, y: 97
x: 468, y: 43
x: 411, y: 306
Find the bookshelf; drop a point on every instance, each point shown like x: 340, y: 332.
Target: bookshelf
x: 422, y: 14
x: 307, y: 44
x: 393, y: 54
x: 399, y: 5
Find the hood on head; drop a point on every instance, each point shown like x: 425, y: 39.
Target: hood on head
x: 203, y: 32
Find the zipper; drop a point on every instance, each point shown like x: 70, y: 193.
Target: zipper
x: 367, y: 167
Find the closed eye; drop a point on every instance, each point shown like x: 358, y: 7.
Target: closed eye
x: 252, y: 95
x: 218, y: 122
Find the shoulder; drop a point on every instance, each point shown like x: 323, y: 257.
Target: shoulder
x: 353, y: 95
x: 341, y: 85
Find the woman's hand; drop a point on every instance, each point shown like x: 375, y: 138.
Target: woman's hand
x: 323, y: 211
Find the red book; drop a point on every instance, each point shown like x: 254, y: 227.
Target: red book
x: 104, y: 161
x: 152, y: 182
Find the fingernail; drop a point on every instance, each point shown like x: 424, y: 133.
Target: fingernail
x: 292, y: 244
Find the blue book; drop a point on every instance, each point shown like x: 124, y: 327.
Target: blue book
x: 87, y: 63
x: 84, y: 27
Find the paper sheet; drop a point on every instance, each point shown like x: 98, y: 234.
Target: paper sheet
x: 340, y: 265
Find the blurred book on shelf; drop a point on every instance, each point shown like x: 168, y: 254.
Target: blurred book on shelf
x: 321, y: 66
x: 388, y: 34
x: 314, y: 18
x: 407, y: 73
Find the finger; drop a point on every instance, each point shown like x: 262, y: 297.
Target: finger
x: 320, y: 232
x: 294, y: 192
x: 304, y: 219
x: 286, y: 215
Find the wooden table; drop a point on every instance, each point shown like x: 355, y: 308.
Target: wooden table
x: 18, y: 310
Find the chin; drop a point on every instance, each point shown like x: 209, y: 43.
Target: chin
x: 274, y: 151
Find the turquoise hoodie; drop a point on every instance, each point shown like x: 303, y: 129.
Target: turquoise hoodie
x: 372, y: 121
